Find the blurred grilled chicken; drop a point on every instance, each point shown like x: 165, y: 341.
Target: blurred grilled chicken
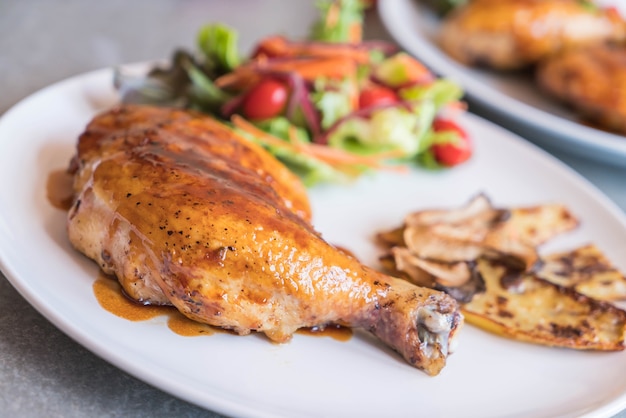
x: 513, y: 34
x: 592, y: 80
x: 185, y: 212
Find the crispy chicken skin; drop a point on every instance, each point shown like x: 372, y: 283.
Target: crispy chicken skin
x: 185, y: 212
x: 513, y: 34
x: 591, y: 80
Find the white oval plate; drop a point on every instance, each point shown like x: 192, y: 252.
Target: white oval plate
x: 309, y: 377
x: 512, y: 100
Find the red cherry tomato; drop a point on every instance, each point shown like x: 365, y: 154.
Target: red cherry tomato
x: 265, y: 100
x: 376, y: 96
x: 451, y: 153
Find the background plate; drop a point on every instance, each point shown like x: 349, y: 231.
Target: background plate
x: 310, y: 377
x: 511, y: 100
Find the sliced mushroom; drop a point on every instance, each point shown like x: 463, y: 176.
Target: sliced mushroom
x: 460, y: 279
x: 406, y: 263
x: 473, y: 208
x: 423, y: 242
x: 466, y: 292
x: 391, y: 238
x: 436, y: 248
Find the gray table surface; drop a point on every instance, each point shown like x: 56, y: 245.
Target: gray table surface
x: 43, y: 373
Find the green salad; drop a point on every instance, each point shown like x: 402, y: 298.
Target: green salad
x: 331, y: 107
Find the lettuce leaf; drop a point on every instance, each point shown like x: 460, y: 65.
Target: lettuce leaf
x: 440, y: 92
x: 218, y: 43
x: 332, y: 99
x: 387, y: 129
x: 204, y: 94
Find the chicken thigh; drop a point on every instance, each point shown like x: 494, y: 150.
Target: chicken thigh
x: 187, y: 213
x: 592, y: 81
x: 513, y: 34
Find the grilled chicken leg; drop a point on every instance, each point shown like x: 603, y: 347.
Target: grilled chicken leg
x: 185, y: 212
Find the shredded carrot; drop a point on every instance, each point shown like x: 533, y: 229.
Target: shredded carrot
x: 278, y: 46
x: 248, y: 127
x: 333, y: 156
x: 332, y: 18
x: 332, y: 50
x: 308, y: 68
x: 273, y: 46
x: 310, y: 60
x: 313, y: 68
x: 241, y: 78
x: 355, y: 33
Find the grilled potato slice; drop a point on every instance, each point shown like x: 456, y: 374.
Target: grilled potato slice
x: 485, y: 257
x: 534, y: 310
x: 586, y: 270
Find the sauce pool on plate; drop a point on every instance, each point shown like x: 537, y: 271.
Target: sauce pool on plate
x: 59, y: 189
x: 109, y: 294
